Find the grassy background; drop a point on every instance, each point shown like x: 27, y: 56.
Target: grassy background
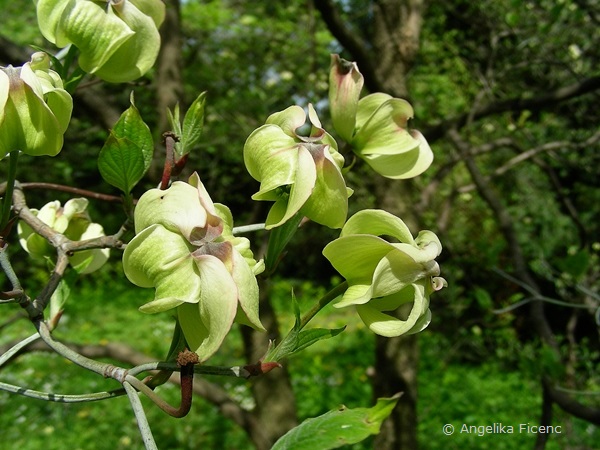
x: 325, y: 376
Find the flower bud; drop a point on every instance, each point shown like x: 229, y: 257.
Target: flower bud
x: 345, y: 84
x: 384, y: 276
x: 73, y: 221
x: 35, y: 110
x: 118, y: 39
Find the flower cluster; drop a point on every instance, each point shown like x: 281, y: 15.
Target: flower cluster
x: 376, y: 125
x: 35, y: 110
x: 73, y: 221
x: 299, y: 173
x: 383, y: 276
x: 185, y: 249
x: 118, y: 39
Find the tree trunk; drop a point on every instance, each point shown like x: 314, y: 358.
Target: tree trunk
x: 397, y: 359
x: 396, y: 362
x: 169, y: 65
x: 168, y: 82
x: 397, y: 26
x: 275, y: 402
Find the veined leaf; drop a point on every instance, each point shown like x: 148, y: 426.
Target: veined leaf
x: 337, y: 428
x: 127, y: 153
x: 193, y: 123
x: 307, y: 338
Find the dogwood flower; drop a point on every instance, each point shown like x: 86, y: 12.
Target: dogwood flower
x: 35, y: 110
x: 73, y: 221
x: 383, y: 276
x: 299, y: 173
x: 185, y: 250
x: 376, y: 125
x: 118, y: 39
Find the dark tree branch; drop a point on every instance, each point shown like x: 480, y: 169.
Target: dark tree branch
x: 537, y: 314
x: 97, y: 104
x: 505, y: 222
x: 351, y: 42
x: 570, y: 405
x: 169, y: 65
x: 522, y: 155
x: 565, y: 201
x: 433, y: 133
x: 70, y: 189
x: 545, y: 419
x: 446, y: 169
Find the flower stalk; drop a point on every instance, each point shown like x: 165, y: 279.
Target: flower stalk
x: 323, y: 301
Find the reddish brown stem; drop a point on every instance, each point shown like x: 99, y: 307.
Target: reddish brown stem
x: 73, y: 190
x: 180, y: 165
x: 186, y: 359
x: 170, y: 139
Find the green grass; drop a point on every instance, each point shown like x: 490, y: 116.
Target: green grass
x: 484, y: 395
x: 326, y: 375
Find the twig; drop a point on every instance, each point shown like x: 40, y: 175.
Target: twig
x: 56, y: 239
x: 140, y: 415
x: 42, y: 300
x: 213, y: 393
x: 540, y: 298
x: 8, y: 270
x: 60, y: 398
x: 525, y: 155
x: 104, y: 369
x: 186, y: 361
x: 17, y: 348
x: 248, y: 228
x: 551, y: 98
x: 236, y: 371
x: 72, y: 190
x: 576, y: 392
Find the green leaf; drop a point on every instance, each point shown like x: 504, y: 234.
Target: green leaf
x: 178, y: 345
x: 289, y: 343
x: 278, y: 239
x: 60, y: 297
x: 297, y: 340
x: 307, y: 338
x: 193, y: 124
x: 127, y: 153
x: 512, y: 19
x: 483, y: 297
x: 175, y: 124
x: 337, y: 428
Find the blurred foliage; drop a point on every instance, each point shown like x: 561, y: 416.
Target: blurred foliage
x: 450, y: 391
